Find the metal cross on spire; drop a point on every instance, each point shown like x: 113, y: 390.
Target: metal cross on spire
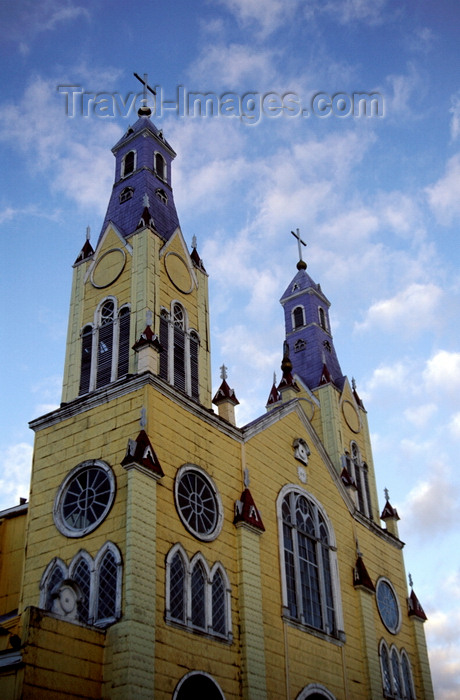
x: 223, y: 372
x: 144, y: 110
x: 300, y: 243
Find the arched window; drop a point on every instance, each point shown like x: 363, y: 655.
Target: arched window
x: 161, y: 194
x: 128, y: 164
x: 81, y: 572
x: 309, y: 586
x: 196, y: 597
x: 108, y: 591
x: 298, y: 317
x: 107, y: 358
x: 322, y: 318
x: 86, y: 355
x: 407, y: 677
x: 396, y: 673
x: 219, y: 621
x: 126, y: 194
x: 160, y: 166
x: 179, y: 358
x: 385, y: 667
x: 105, y: 344
x: 53, y: 576
x: 360, y: 473
x: 177, y: 588
x: 123, y: 341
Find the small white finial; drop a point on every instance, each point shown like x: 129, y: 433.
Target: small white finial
x: 411, y: 583
x: 149, y: 317
x: 223, y: 372
x: 353, y: 383
x: 143, y: 420
x: 246, y: 478
x: 145, y: 200
x: 88, y: 233
x: 387, y: 494
x: 194, y: 242
x: 274, y: 378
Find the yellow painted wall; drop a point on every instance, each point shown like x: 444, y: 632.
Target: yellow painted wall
x: 12, y: 541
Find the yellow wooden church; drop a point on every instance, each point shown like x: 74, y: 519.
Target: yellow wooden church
x: 165, y: 552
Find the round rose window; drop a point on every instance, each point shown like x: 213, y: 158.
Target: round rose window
x: 198, y: 503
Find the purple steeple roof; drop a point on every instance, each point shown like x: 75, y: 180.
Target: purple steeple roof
x: 142, y: 167
x: 308, y: 332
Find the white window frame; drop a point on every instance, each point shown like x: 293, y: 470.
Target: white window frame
x: 122, y: 171
x: 302, y: 308
x: 163, y: 178
x: 332, y: 548
x: 390, y: 652
x: 94, y: 568
x: 196, y: 673
x: 323, y: 316
x: 189, y: 565
x: 215, y: 532
x: 384, y: 580
x: 168, y: 317
x: 97, y: 324
x: 357, y: 469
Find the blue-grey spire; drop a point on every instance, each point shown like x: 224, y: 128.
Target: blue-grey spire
x: 142, y: 174
x: 308, y: 332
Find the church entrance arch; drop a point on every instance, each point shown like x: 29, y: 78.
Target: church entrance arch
x: 197, y: 684
x: 315, y: 691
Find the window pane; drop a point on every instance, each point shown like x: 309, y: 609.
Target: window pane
x: 218, y: 605
x: 194, y: 346
x: 54, y: 581
x: 176, y: 589
x: 123, y: 349
x: 107, y: 594
x: 104, y: 359
x: 86, y: 351
x: 179, y: 358
x: 82, y: 576
x: 164, y: 341
x: 198, y: 598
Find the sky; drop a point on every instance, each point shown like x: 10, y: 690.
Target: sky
x: 375, y: 194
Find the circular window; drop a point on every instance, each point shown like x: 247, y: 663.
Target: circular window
x: 84, y: 498
x: 388, y: 606
x: 198, y: 503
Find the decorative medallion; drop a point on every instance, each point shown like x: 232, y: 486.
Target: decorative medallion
x: 178, y: 272
x: 351, y: 416
x: 301, y: 450
x: 108, y: 268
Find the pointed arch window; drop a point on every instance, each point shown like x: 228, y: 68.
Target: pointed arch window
x: 161, y: 194
x: 309, y: 566
x: 322, y: 318
x: 98, y: 581
x: 86, y: 355
x: 160, y: 166
x: 105, y: 347
x: 197, y: 597
x: 298, y: 317
x: 179, y: 358
x: 396, y: 673
x: 128, y: 164
x: 359, y: 472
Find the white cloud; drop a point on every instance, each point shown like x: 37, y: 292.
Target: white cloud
x: 27, y: 19
x: 444, y: 649
x: 443, y: 196
x: 15, y: 466
x: 421, y: 415
x: 454, y: 426
x: 432, y: 507
x: 268, y: 15
x: 230, y: 65
x: 411, y: 310
x: 442, y: 372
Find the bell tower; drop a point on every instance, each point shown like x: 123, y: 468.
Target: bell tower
x: 139, y: 275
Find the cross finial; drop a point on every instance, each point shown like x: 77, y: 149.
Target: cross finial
x: 146, y: 201
x: 149, y: 317
x: 353, y: 383
x: 387, y: 494
x: 246, y: 478
x: 223, y: 372
x: 301, y: 265
x: 143, y: 420
x: 411, y: 582
x: 274, y: 378
x: 88, y: 233
x: 144, y: 110
x: 194, y: 242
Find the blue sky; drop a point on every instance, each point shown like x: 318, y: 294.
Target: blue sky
x: 376, y: 198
